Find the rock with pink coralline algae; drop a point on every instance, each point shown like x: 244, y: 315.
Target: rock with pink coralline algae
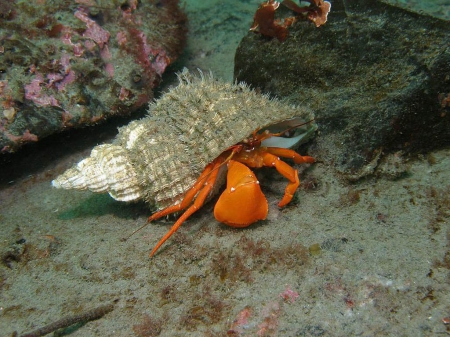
x: 66, y: 64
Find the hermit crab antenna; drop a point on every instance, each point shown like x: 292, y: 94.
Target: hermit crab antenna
x: 135, y: 231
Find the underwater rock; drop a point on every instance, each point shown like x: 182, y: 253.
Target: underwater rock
x: 377, y: 77
x: 65, y: 65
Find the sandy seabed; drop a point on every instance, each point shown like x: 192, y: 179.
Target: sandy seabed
x: 369, y: 258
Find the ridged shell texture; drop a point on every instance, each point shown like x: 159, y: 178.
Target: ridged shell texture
x: 158, y: 158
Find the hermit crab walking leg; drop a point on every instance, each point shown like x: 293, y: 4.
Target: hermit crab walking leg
x: 202, y: 188
x: 269, y: 156
x: 271, y: 159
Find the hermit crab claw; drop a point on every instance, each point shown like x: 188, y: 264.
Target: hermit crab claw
x: 242, y: 203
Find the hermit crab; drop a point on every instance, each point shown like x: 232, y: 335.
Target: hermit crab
x: 176, y: 158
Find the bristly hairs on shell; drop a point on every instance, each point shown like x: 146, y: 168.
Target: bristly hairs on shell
x: 186, y: 77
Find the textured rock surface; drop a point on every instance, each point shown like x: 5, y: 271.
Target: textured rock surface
x: 65, y: 65
x: 378, y: 78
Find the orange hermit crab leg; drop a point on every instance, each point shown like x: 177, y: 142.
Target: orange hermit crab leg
x: 202, y: 188
x: 286, y: 171
x: 242, y: 203
x: 188, y: 197
x: 288, y: 153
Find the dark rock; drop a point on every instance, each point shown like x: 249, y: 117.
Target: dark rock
x: 377, y: 77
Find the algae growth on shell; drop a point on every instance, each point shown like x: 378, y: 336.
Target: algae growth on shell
x: 159, y: 157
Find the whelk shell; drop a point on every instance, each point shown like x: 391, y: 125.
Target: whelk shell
x: 159, y: 157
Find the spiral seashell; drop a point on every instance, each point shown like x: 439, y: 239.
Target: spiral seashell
x: 159, y: 157
x: 108, y: 169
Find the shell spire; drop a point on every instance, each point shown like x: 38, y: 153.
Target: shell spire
x: 107, y: 169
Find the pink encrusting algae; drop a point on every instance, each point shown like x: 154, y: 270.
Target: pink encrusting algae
x: 78, y: 64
